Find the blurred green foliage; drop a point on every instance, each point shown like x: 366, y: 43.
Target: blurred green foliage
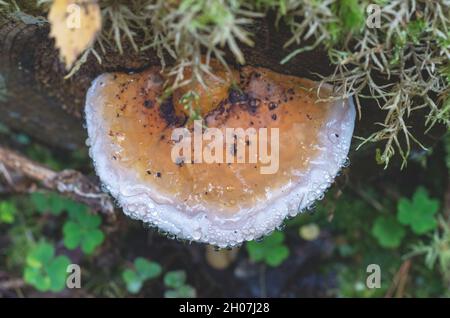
x: 175, y: 281
x: 388, y: 231
x: 82, y: 230
x: 351, y: 14
x: 50, y: 202
x: 143, y: 270
x: 271, y: 250
x: 367, y: 224
x: 418, y: 212
x: 44, y: 270
x: 7, y: 212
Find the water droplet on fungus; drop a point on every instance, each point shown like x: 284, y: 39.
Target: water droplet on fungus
x: 220, y: 203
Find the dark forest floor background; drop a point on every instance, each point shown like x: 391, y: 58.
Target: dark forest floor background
x: 398, y: 219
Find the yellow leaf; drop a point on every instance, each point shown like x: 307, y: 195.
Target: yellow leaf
x: 74, y: 25
x: 220, y: 259
x: 309, y: 232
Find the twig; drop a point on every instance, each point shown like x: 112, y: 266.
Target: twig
x: 399, y: 281
x: 70, y: 183
x: 12, y: 284
x: 366, y: 197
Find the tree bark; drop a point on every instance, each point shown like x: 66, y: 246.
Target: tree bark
x: 41, y: 103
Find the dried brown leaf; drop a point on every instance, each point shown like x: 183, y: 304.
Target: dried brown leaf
x: 74, y: 25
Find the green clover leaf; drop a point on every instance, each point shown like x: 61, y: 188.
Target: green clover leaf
x: 176, y: 281
x: 40, y: 255
x: 7, y: 212
x: 133, y: 281
x: 43, y: 270
x: 185, y: 291
x: 50, y: 202
x: 388, y: 232
x: 272, y: 250
x: 147, y: 269
x: 418, y: 212
x: 143, y: 271
x: 82, y: 229
x: 57, y: 271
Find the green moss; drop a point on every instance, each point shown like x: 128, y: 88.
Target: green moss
x: 413, y: 39
x: 351, y: 15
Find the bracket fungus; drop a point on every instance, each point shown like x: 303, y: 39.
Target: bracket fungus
x: 232, y: 189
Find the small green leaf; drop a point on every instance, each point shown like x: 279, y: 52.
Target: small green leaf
x: 171, y: 294
x: 143, y: 270
x: 44, y: 271
x: 277, y: 255
x: 82, y: 230
x: 7, y: 212
x: 72, y: 235
x: 187, y: 291
x: 39, y: 201
x: 57, y: 272
x: 134, y: 283
x: 388, y: 231
x: 34, y: 277
x: 92, y: 240
x: 147, y: 269
x: 50, y: 202
x: 272, y: 250
x: 184, y: 291
x: 40, y: 255
x: 418, y: 212
x: 175, y: 279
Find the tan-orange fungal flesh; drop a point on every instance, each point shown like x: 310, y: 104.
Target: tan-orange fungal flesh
x: 238, y: 193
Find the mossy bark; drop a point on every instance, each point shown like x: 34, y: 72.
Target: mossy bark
x: 41, y: 103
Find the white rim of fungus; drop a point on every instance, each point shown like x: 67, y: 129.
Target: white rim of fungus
x: 139, y: 201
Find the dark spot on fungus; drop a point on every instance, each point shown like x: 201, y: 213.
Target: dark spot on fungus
x: 252, y: 105
x: 148, y: 104
x: 179, y: 162
x: 167, y: 112
x: 236, y: 96
x: 272, y: 106
x: 156, y: 78
x: 254, y: 102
